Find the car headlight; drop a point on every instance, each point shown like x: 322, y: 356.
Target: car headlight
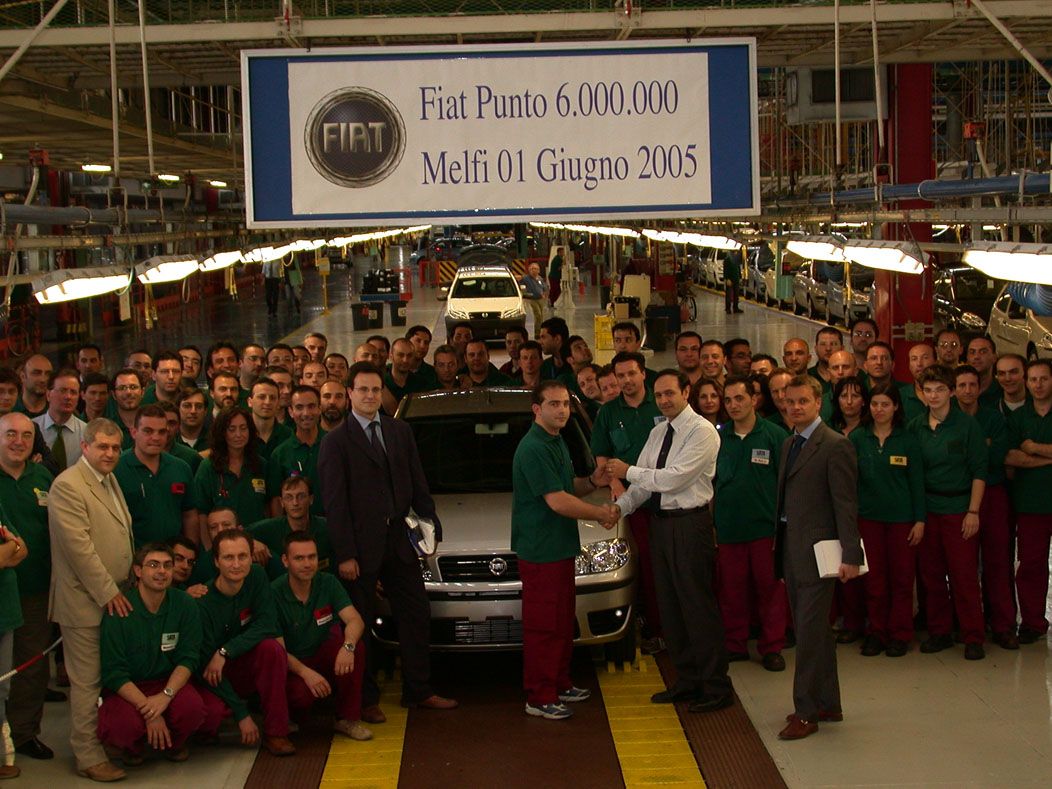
x: 973, y: 321
x: 861, y: 299
x: 455, y: 314
x: 1046, y: 341
x: 603, y: 556
x: 514, y: 312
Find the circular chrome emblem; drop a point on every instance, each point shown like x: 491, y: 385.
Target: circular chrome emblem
x: 354, y: 137
x: 498, y: 566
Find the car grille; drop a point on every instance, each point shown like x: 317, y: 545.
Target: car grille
x: 499, y: 567
x: 483, y: 316
x: 492, y: 631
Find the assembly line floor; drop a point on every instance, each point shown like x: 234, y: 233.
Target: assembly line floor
x: 922, y: 720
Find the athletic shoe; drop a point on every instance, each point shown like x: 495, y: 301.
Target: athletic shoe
x: 553, y: 712
x: 575, y: 694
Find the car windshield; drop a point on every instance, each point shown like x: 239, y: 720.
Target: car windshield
x: 473, y: 453
x: 973, y: 284
x: 861, y: 277
x: 484, y: 287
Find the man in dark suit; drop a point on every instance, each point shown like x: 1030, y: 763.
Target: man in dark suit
x: 817, y: 500
x: 371, y: 476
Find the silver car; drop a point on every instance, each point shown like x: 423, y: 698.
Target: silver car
x: 809, y: 289
x: 1015, y: 328
x: 467, y: 440
x: 836, y: 294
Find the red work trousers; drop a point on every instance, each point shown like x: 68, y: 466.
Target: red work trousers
x: 746, y: 572
x: 1031, y: 579
x: 263, y: 670
x: 849, y: 603
x: 548, y: 613
x: 889, y: 582
x: 122, y: 726
x: 639, y: 523
x: 347, y: 687
x: 945, y: 553
x: 995, y: 548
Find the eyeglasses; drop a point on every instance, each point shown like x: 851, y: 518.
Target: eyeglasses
x: 949, y: 344
x: 153, y: 564
x: 127, y: 388
x: 863, y: 333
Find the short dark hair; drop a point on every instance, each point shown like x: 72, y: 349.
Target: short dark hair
x: 166, y: 356
x: 229, y: 535
x: 418, y: 329
x: 829, y: 330
x: 543, y: 388
x: 263, y: 380
x: 445, y: 348
x: 938, y: 374
x: 687, y: 335
x: 730, y: 345
x: 305, y: 389
x: 765, y: 357
x: 519, y: 330
x: 386, y: 342
x: 461, y: 325
x: 294, y: 537
x: 629, y: 356
x: 713, y: 343
x: 223, y: 374
x: 626, y: 326
x: 297, y: 479
x: 193, y: 348
x: 93, y: 379
x: 187, y: 392
x: 745, y: 380
x: 1046, y: 363
x: 279, y: 346
x: 9, y: 376
x: 881, y: 344
x: 478, y: 341
x: 89, y: 346
x: 1013, y: 356
x: 65, y: 372
x: 219, y: 346
x: 854, y: 324
x: 147, y: 549
x: 681, y: 378
x: 183, y: 542
x: 335, y: 356
x: 151, y: 411
x: 532, y: 345
x: 983, y: 338
x: 123, y: 371
x: 364, y: 368
x: 965, y: 369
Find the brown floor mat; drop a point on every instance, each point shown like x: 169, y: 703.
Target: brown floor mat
x: 727, y: 746
x: 489, y: 741
x: 304, y: 769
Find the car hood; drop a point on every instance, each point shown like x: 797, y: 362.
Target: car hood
x: 481, y: 523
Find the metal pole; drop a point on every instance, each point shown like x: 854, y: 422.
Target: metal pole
x: 878, y: 82
x: 146, y: 86
x: 1015, y: 42
x: 114, y: 109
x: 836, y: 77
x: 17, y: 54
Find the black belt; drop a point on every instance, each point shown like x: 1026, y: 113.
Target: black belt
x: 677, y: 513
x: 949, y: 494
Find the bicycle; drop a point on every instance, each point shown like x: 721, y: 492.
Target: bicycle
x: 688, y: 306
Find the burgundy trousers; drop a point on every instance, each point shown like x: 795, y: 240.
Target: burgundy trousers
x: 995, y: 548
x: 263, y: 670
x: 122, y: 726
x: 347, y: 688
x: 548, y: 613
x: 1031, y: 579
x: 889, y: 582
x: 745, y: 571
x: 944, y: 553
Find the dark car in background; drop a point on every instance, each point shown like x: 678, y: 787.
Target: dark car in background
x: 963, y: 298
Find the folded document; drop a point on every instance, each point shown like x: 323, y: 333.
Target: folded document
x: 829, y: 556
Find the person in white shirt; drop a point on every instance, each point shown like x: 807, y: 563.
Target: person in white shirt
x: 673, y: 477
x: 61, y: 429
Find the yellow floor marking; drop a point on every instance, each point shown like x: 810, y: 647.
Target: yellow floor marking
x: 373, y: 764
x: 651, y: 744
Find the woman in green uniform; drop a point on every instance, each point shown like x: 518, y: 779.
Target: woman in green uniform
x: 235, y: 475
x: 850, y: 404
x: 890, y: 519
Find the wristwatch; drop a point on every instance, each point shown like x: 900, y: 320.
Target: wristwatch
x: 169, y: 693
x: 349, y: 647
x: 222, y: 651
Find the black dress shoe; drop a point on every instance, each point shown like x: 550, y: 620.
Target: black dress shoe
x: 936, y: 644
x: 872, y: 646
x: 848, y: 637
x: 711, y: 703
x: 1027, y: 635
x: 54, y: 696
x: 35, y: 749
x: 737, y: 657
x: 974, y: 652
x: 773, y: 661
x: 673, y: 695
x: 1006, y: 640
x: 897, y: 649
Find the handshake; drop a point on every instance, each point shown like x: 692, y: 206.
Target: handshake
x: 608, y: 515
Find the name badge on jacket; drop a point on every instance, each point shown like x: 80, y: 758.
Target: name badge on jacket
x: 899, y: 460
x: 259, y: 485
x: 323, y: 616
x: 169, y: 641
x: 245, y: 616
x: 761, y: 457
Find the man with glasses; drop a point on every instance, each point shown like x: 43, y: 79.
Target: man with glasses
x: 167, y: 376
x: 863, y: 333
x: 142, y: 363
x: 147, y: 660
x: 1010, y: 374
x: 948, y: 347
x: 738, y: 356
x: 127, y: 397
x: 297, y: 496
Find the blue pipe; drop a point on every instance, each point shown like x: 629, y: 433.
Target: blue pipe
x: 934, y: 190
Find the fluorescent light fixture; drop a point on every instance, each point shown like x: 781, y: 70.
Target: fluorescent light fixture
x: 697, y: 239
x: 168, y: 178
x: 96, y: 168
x: 307, y: 245
x: 622, y: 232
x: 218, y: 184
x: 900, y: 256
x: 360, y: 238
x: 79, y: 283
x: 1010, y: 261
x: 166, y: 268
x: 221, y: 260
x: 817, y: 248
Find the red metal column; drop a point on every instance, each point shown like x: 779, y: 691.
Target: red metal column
x: 904, y: 301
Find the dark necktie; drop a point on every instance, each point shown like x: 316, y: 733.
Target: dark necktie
x: 666, y: 445
x: 58, y: 449
x: 381, y: 453
x: 374, y: 439
x: 794, y: 452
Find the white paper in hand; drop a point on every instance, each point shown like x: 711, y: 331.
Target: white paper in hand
x: 421, y: 534
x: 829, y: 556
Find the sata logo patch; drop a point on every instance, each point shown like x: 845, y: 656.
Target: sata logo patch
x: 245, y: 616
x: 322, y: 616
x: 178, y: 488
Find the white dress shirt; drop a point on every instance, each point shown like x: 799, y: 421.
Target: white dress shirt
x: 71, y: 435
x: 686, y: 480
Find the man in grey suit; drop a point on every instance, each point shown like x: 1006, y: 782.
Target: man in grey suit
x: 91, y: 553
x: 817, y: 500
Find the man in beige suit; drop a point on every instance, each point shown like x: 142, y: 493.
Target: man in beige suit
x: 91, y: 553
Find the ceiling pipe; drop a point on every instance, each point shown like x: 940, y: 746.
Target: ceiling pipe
x: 935, y: 190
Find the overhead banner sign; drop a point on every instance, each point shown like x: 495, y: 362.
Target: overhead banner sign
x: 502, y: 133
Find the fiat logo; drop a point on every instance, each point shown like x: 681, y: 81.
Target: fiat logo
x: 497, y: 566
x: 354, y: 137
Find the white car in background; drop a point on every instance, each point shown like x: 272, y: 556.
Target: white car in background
x: 1016, y: 329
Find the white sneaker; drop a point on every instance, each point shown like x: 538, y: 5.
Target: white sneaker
x: 552, y: 712
x: 352, y: 729
x: 575, y: 694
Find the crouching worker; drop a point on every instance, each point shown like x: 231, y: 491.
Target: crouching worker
x: 322, y: 634
x: 147, y: 660
x: 240, y: 653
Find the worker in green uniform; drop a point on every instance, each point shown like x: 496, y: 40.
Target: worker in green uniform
x: 480, y: 373
x: 177, y: 450
x: 23, y: 490
x: 546, y: 503
x: 298, y: 455
x: 955, y: 470
x: 297, y: 495
x: 921, y: 357
x: 891, y: 518
x: 399, y: 379
x: 621, y: 428
x: 234, y: 475
x: 322, y: 633
x: 745, y: 493
x: 12, y: 553
x: 240, y: 654
x: 263, y: 403
x: 147, y: 659
x: 157, y: 487
x: 203, y: 573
